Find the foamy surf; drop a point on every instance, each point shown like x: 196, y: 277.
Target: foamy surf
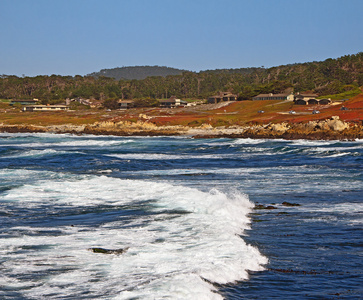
x: 183, y: 240
x: 180, y: 240
x: 151, y: 156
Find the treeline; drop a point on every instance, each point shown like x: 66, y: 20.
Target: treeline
x: 331, y: 76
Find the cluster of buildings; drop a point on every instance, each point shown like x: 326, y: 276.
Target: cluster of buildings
x: 222, y: 96
x: 310, y: 99
x: 165, y: 103
x: 32, y: 105
x: 172, y: 102
x: 83, y: 101
x: 299, y: 98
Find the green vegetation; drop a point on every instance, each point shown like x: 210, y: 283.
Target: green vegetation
x: 349, y: 91
x: 137, y: 72
x: 78, y: 106
x: 332, y: 76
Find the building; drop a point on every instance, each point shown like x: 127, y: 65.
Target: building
x: 222, y: 96
x: 45, y: 107
x: 283, y: 96
x: 172, y: 102
x: 312, y: 101
x: 300, y: 102
x: 79, y: 100
x: 125, y: 104
x: 325, y: 101
x: 24, y: 102
x: 305, y: 96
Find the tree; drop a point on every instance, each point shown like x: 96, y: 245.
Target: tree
x: 110, y: 104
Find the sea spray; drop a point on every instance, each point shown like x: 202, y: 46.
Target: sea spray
x: 182, y: 233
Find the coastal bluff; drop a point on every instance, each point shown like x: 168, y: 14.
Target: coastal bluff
x: 328, y: 129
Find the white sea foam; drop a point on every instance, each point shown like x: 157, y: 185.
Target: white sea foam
x: 72, y: 143
x: 312, y: 143
x: 170, y: 252
x: 350, y: 147
x: 34, y: 134
x: 356, y: 222
x: 339, y: 154
x: 340, y: 208
x: 36, y: 153
x: 236, y: 142
x: 23, y: 176
x: 332, y: 151
x: 161, y: 156
x: 95, y: 142
x: 248, y: 141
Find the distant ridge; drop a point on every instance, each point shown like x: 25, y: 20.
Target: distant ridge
x: 137, y: 72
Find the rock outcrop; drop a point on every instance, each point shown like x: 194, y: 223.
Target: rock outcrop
x: 330, y: 129
x: 109, y: 251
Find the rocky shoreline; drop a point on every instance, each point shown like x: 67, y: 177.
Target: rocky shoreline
x: 329, y: 129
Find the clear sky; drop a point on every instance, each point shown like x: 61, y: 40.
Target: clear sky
x: 69, y: 37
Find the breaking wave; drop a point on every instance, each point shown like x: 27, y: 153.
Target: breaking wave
x: 180, y: 239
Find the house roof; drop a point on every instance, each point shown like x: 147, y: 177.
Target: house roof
x: 47, y: 106
x: 126, y: 101
x: 273, y: 95
x: 308, y: 94
x: 222, y: 94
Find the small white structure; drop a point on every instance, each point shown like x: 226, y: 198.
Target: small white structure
x: 173, y: 102
x: 45, y: 107
x: 125, y: 104
x: 283, y: 96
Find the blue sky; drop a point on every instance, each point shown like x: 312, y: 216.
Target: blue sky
x: 69, y: 37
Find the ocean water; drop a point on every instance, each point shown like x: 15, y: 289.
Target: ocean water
x: 184, y: 211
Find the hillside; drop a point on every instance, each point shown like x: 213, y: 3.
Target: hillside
x: 137, y: 72
x: 341, y: 77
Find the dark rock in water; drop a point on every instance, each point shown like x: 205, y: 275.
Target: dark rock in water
x: 282, y: 213
x: 290, y: 204
x: 109, y: 251
x: 261, y: 206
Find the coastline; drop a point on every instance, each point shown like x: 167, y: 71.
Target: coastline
x: 329, y: 129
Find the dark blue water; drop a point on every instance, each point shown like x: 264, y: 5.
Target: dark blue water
x: 182, y: 206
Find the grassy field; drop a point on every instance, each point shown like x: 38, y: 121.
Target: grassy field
x: 346, y: 95
x: 235, y: 113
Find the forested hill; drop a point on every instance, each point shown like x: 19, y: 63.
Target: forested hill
x: 137, y: 72
x: 331, y: 76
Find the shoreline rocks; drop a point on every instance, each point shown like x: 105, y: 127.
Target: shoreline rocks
x: 109, y: 251
x: 329, y: 129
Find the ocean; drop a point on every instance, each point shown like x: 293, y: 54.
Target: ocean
x: 194, y: 218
